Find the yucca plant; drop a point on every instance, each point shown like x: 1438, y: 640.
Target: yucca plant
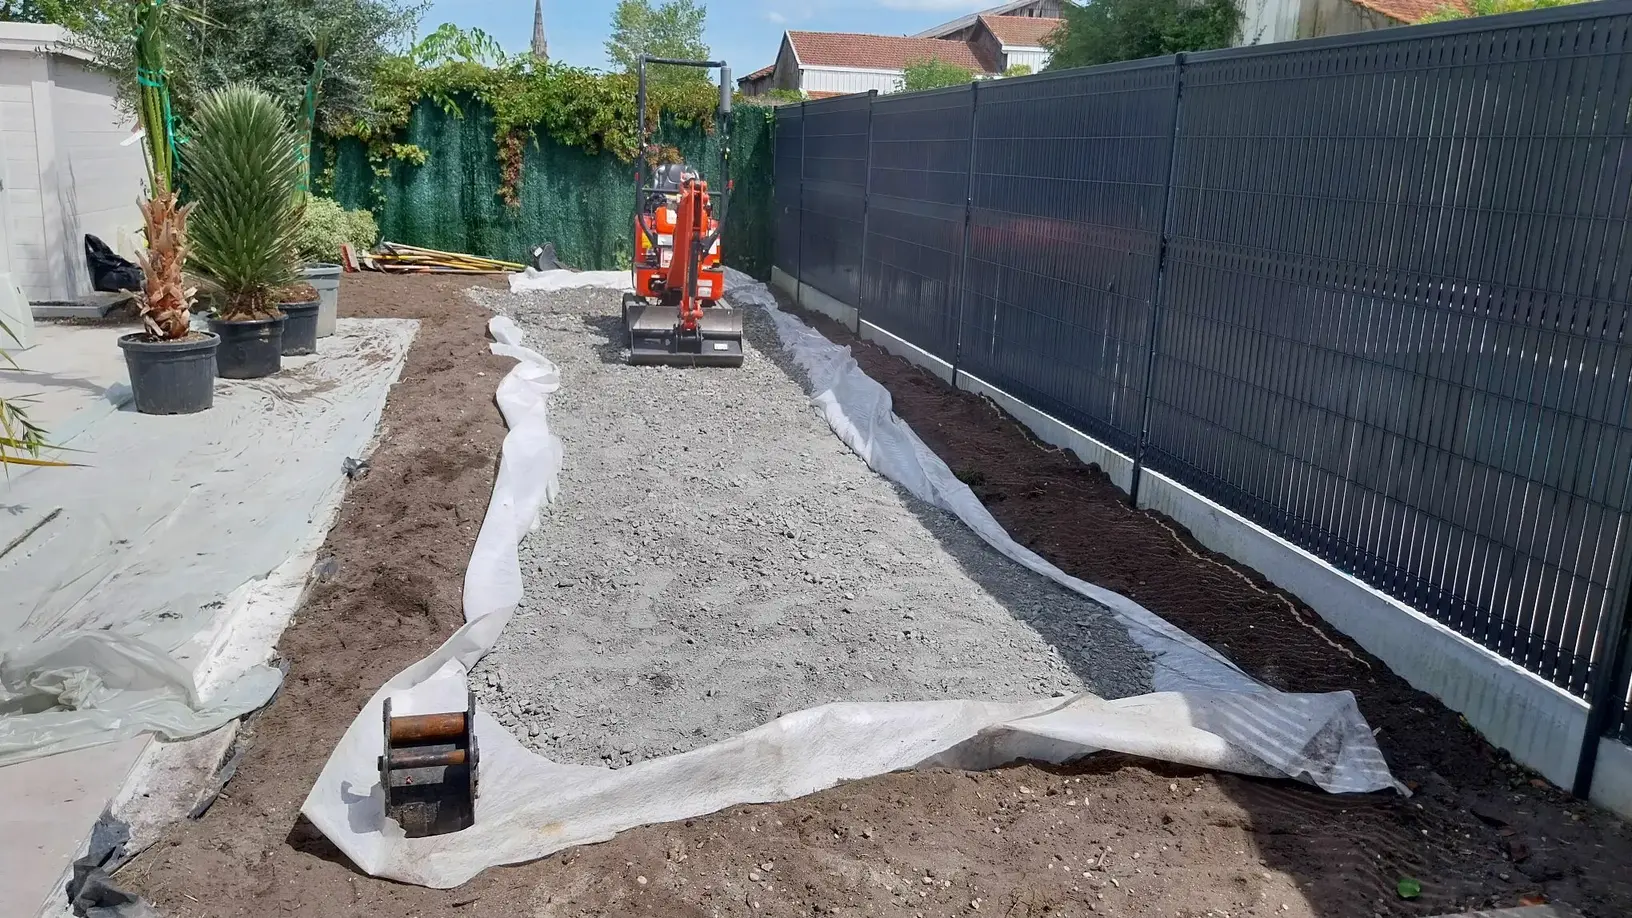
x: 167, y: 302
x: 243, y: 168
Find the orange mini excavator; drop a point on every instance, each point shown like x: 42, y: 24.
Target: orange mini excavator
x: 677, y: 313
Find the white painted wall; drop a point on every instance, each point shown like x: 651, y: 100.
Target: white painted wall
x: 65, y: 172
x: 23, y: 206
x: 1035, y: 58
x: 99, y: 181
x: 1265, y: 21
x: 848, y: 79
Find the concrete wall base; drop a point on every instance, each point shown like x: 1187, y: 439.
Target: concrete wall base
x: 907, y: 351
x: 815, y: 300
x: 1538, y: 723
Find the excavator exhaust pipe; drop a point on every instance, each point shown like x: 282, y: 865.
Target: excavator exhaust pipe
x: 656, y: 338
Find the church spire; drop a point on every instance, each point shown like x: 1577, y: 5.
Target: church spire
x: 541, y: 46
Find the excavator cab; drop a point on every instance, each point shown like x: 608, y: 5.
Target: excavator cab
x: 677, y: 313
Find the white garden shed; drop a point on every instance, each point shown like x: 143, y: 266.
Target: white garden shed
x: 68, y: 168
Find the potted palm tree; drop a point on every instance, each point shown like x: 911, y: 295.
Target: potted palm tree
x: 172, y: 366
x: 243, y: 168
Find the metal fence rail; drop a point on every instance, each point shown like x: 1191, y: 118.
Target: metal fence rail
x: 1371, y: 293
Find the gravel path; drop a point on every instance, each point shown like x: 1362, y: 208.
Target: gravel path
x: 718, y: 558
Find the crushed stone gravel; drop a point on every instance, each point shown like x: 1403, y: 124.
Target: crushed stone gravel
x: 718, y: 557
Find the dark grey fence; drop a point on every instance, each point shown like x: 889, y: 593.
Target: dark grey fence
x: 1371, y: 293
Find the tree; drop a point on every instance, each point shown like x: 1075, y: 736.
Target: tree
x: 450, y: 43
x: 76, y: 15
x: 1470, y: 8
x: 1018, y: 70
x: 671, y: 29
x: 932, y: 73
x: 268, y: 44
x: 1106, y: 31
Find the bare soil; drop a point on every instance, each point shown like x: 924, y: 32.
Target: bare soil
x: 1110, y: 836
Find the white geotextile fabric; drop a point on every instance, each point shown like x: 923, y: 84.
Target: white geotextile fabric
x: 1206, y: 713
x: 562, y: 279
x: 111, y: 604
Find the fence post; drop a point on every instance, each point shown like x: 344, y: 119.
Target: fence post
x: 968, y: 218
x: 799, y: 251
x: 866, y: 206
x: 1608, y: 691
x: 1153, y: 341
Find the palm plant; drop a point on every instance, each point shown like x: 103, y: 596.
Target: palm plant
x: 20, y: 438
x: 244, y: 169
x: 167, y: 301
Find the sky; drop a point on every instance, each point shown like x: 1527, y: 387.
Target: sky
x: 745, y: 33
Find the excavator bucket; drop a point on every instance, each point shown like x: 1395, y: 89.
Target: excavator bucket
x: 656, y: 338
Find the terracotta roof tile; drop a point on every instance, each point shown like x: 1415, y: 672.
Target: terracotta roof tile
x: 878, y: 52
x: 1029, y: 31
x: 815, y: 94
x: 1409, y: 12
x: 758, y: 74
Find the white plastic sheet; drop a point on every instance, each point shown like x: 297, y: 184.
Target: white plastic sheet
x: 1213, y: 717
x: 561, y: 279
x: 124, y: 571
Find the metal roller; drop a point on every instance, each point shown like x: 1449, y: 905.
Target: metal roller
x: 428, y: 770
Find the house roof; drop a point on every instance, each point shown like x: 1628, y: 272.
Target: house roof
x: 761, y: 73
x: 1029, y: 32
x: 878, y: 52
x: 815, y: 94
x: 947, y: 28
x: 1409, y: 12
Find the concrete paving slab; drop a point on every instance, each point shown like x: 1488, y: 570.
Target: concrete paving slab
x: 73, y: 376
x: 51, y: 804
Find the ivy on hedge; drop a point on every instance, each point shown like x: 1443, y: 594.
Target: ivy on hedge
x: 575, y: 107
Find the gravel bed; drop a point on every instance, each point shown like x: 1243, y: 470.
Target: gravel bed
x: 718, y: 558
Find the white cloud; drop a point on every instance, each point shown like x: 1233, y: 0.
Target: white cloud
x: 774, y: 16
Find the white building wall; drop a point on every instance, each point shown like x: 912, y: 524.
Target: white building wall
x: 1036, y: 59
x: 847, y: 80
x: 1265, y: 21
x: 99, y: 180
x: 64, y: 170
x: 29, y: 259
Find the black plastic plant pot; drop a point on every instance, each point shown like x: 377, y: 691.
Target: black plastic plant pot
x: 249, y: 350
x: 171, y: 377
x: 300, y: 327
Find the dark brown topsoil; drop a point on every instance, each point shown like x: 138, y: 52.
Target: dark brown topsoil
x: 1110, y: 836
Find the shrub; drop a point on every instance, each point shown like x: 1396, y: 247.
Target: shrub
x: 327, y: 225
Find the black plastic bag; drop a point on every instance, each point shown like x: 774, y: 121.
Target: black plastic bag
x: 109, y: 272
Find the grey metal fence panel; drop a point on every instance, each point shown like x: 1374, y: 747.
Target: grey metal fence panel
x: 1396, y: 321
x: 1391, y: 317
x: 835, y: 181
x: 1069, y: 179
x: 919, y: 170
x: 789, y: 149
